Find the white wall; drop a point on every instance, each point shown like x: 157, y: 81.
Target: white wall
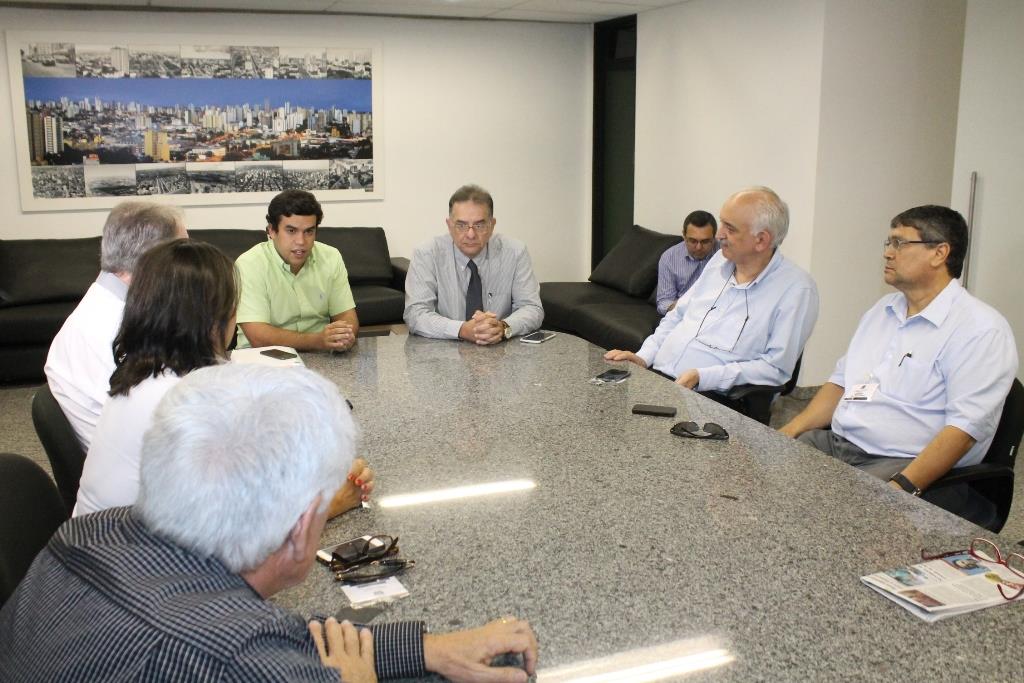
x: 847, y: 109
x: 890, y: 83
x: 990, y: 140
x: 727, y: 96
x: 504, y: 104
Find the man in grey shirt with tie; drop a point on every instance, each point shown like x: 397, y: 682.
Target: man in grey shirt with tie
x: 472, y: 284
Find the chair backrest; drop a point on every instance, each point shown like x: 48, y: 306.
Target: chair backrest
x: 62, y: 446
x: 789, y: 386
x: 1006, y: 441
x: 30, y: 511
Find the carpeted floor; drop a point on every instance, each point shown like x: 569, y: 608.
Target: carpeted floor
x: 17, y: 435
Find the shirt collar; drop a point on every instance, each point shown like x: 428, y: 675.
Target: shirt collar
x: 284, y: 265
x: 462, y: 261
x: 729, y: 270
x: 936, y: 311
x: 113, y: 284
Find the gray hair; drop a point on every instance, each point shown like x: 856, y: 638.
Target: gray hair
x: 133, y: 227
x: 235, y: 455
x: 474, y: 194
x: 772, y: 213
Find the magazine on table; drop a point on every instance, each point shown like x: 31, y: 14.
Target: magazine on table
x: 946, y: 586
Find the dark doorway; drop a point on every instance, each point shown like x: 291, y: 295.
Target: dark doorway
x: 614, y: 132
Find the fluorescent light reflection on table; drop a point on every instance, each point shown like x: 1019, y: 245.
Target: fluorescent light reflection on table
x: 661, y: 663
x: 456, y: 493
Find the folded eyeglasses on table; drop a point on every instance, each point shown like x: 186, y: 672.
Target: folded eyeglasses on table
x: 374, y: 559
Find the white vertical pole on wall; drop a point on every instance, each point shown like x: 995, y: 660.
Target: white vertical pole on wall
x: 970, y: 230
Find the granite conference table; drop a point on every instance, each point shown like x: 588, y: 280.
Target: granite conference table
x: 637, y: 546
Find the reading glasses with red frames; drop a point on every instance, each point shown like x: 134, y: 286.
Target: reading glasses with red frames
x: 982, y: 549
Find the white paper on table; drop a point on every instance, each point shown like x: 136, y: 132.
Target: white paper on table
x: 385, y: 590
x: 257, y: 357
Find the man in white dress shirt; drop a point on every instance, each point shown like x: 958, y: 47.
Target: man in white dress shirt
x: 81, y: 358
x: 923, y: 382
x: 748, y: 316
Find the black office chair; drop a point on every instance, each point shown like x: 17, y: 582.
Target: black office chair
x: 30, y: 511
x: 755, y: 400
x: 62, y: 446
x: 992, y: 478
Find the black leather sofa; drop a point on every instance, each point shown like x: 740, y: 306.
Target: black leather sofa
x: 616, y: 308
x: 41, y: 282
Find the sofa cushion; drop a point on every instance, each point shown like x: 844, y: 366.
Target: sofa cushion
x: 561, y: 300
x: 365, y: 251
x: 35, y: 324
x: 631, y: 267
x: 617, y: 326
x: 376, y: 305
x: 234, y: 243
x: 40, y: 271
x: 22, y: 363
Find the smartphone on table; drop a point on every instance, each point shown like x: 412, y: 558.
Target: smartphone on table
x: 538, y: 337
x: 657, y: 411
x: 612, y: 375
x: 349, y: 548
x: 278, y: 354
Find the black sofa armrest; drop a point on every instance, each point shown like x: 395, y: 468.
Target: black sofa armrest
x: 399, y: 270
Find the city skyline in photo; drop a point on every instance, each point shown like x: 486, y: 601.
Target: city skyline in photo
x: 352, y: 94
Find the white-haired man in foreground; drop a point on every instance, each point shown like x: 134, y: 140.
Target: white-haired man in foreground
x: 236, y: 476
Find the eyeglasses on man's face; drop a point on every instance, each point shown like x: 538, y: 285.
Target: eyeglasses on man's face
x: 694, y: 242
x: 898, y: 243
x: 987, y: 551
x: 478, y: 227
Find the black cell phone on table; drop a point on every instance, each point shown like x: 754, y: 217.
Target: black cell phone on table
x: 657, y: 411
x: 278, y: 354
x: 613, y: 375
x: 346, y: 549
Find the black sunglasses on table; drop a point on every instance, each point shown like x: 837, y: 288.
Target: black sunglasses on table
x: 710, y: 430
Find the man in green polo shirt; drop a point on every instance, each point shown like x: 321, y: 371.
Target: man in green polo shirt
x: 295, y: 290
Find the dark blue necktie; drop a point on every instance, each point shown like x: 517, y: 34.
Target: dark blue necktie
x: 475, y: 292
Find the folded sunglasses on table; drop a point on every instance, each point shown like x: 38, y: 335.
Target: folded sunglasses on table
x: 690, y: 430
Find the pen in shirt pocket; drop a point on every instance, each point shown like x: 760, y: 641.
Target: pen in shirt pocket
x: 907, y: 355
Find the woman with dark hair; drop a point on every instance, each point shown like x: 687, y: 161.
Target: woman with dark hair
x: 179, y: 316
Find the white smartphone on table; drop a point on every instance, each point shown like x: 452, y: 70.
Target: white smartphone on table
x: 538, y: 337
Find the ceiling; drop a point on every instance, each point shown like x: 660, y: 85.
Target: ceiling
x: 573, y: 11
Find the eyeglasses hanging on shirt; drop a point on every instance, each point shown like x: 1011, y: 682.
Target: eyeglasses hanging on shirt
x: 719, y: 330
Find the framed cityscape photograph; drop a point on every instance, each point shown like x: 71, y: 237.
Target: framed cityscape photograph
x: 98, y: 118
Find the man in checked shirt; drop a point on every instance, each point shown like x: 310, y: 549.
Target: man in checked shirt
x: 236, y: 476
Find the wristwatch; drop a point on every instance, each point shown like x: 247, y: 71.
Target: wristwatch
x: 905, y: 484
x: 508, y: 330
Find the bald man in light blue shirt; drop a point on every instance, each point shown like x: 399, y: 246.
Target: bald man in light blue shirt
x: 748, y: 316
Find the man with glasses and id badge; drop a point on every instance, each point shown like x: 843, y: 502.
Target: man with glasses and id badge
x: 923, y: 382
x: 472, y: 284
x: 748, y: 316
